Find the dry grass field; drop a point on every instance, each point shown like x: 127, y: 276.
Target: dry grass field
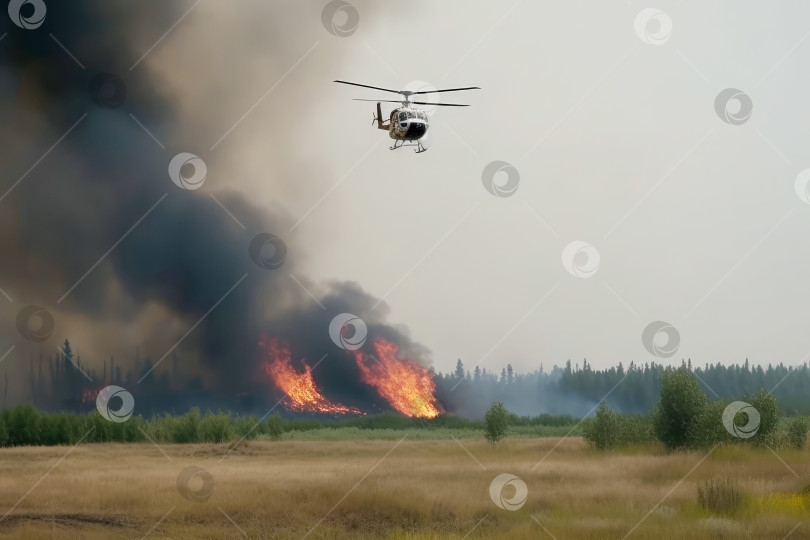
x: 382, y: 489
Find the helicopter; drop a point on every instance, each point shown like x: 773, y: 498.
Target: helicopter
x: 407, y: 123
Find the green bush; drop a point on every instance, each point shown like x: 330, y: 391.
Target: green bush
x: 495, y: 422
x: 216, y: 428
x: 708, y: 429
x: 609, y: 429
x: 275, y: 426
x: 602, y: 431
x: 187, y: 429
x: 679, y: 407
x: 765, y: 404
x: 796, y: 429
x: 24, y: 424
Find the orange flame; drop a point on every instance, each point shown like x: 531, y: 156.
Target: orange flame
x: 408, y: 386
x: 302, y: 394
x: 90, y: 394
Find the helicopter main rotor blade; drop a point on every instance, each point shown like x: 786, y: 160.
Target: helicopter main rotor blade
x: 439, y: 104
x: 367, y: 86
x: 380, y: 100
x: 448, y: 90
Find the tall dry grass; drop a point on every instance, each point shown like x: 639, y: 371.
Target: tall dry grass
x: 421, y: 490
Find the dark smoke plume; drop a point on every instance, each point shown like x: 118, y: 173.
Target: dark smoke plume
x: 174, y: 254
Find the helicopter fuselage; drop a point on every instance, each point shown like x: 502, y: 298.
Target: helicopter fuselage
x: 408, y: 124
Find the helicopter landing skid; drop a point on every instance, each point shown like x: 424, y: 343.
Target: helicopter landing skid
x: 399, y: 143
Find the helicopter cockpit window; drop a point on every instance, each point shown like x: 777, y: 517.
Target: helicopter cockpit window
x: 403, y: 116
x: 411, y: 115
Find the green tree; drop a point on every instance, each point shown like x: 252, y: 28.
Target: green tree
x: 459, y: 373
x: 495, y: 422
x: 681, y: 404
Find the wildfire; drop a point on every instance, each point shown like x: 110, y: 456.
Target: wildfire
x: 90, y: 394
x: 302, y: 394
x: 408, y: 386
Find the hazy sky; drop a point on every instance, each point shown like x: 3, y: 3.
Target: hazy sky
x: 617, y: 142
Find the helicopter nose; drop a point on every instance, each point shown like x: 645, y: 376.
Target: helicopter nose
x: 416, y: 130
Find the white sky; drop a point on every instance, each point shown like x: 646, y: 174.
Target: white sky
x: 696, y: 221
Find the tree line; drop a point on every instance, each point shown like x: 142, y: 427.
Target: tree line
x: 576, y: 389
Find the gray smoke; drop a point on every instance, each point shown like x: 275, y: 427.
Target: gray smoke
x: 173, y: 254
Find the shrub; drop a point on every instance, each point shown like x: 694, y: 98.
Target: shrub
x: 602, y: 431
x: 679, y: 407
x: 609, y: 429
x: 720, y: 495
x: 636, y: 429
x: 775, y: 440
x: 187, y: 428
x: 24, y: 425
x: 216, y: 428
x: 797, y: 431
x: 765, y: 404
x: 708, y: 428
x: 275, y: 426
x: 495, y: 422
